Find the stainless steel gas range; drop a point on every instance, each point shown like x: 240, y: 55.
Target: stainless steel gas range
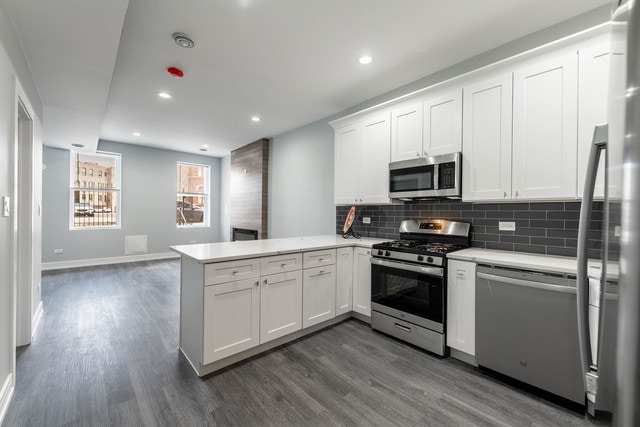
x: 409, y: 281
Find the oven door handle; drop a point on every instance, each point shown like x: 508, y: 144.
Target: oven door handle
x: 432, y: 271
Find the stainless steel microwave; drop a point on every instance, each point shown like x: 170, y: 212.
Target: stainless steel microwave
x: 426, y: 177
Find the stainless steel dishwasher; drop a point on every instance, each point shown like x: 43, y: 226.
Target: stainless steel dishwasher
x: 526, y: 328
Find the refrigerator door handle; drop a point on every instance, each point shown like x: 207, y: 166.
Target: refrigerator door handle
x: 599, y: 143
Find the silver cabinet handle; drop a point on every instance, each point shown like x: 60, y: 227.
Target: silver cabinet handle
x: 517, y: 195
x: 426, y: 154
x: 257, y: 282
x: 265, y: 281
x: 505, y: 194
x: 320, y: 259
x: 417, y: 154
x: 322, y: 271
x: 283, y: 265
x: 235, y: 272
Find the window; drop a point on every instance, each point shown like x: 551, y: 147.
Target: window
x: 94, y: 204
x: 192, y: 195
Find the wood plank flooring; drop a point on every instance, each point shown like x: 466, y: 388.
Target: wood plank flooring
x: 106, y: 353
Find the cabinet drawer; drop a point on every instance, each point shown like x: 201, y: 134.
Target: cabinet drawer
x: 222, y: 272
x: 281, y: 263
x: 319, y: 258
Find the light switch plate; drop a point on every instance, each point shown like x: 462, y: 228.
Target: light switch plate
x: 6, y: 205
x: 366, y: 220
x: 507, y: 226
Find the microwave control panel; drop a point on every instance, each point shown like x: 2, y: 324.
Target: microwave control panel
x: 447, y: 175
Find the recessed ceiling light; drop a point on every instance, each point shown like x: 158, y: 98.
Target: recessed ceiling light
x: 366, y: 59
x: 136, y: 134
x: 165, y: 95
x: 204, y: 146
x: 255, y: 119
x: 77, y: 145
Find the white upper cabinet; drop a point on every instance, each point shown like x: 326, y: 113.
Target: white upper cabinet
x: 348, y: 143
x: 487, y: 139
x: 362, y: 156
x: 406, y: 132
x: 593, y: 85
x: 545, y: 108
x: 443, y: 124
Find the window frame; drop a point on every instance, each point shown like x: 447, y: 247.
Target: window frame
x: 206, y: 195
x: 87, y: 191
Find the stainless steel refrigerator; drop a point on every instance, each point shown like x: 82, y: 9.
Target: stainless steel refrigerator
x: 610, y: 340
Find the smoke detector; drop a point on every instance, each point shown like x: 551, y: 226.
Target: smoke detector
x: 183, y: 40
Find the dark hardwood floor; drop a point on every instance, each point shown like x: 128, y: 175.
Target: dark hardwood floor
x: 106, y: 353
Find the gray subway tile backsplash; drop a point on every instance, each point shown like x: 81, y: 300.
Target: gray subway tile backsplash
x: 541, y: 228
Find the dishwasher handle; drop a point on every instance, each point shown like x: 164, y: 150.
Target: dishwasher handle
x: 527, y: 283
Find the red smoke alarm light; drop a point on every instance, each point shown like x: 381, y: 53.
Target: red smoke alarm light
x: 175, y: 72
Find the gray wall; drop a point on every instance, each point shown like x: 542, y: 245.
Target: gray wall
x: 13, y: 64
x: 301, y: 165
x: 147, y: 203
x: 301, y: 182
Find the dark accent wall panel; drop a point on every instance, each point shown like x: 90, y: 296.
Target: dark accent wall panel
x: 249, y: 184
x: 549, y: 228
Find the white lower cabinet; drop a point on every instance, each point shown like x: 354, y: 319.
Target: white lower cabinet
x: 280, y: 305
x: 231, y: 319
x: 461, y: 306
x: 318, y: 295
x: 362, y: 281
x: 344, y: 280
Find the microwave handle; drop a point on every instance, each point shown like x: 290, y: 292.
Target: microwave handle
x: 436, y: 176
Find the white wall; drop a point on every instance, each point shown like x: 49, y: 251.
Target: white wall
x: 148, y: 207
x: 12, y: 65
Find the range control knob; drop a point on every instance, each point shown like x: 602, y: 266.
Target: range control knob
x: 387, y: 253
x: 379, y: 252
x: 420, y: 258
x: 429, y: 259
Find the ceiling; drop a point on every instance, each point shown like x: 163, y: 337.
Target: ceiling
x: 99, y: 65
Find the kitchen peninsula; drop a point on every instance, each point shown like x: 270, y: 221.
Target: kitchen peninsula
x: 238, y: 299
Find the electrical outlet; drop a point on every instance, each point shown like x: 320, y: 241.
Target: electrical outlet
x: 58, y: 251
x: 366, y: 220
x: 507, y: 226
x: 6, y: 206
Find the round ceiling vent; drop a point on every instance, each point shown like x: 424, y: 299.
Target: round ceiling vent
x: 183, y: 40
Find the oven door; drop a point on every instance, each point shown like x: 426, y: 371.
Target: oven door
x: 410, y: 292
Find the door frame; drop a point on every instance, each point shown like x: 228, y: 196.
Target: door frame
x: 22, y: 219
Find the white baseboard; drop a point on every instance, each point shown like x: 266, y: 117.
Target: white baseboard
x: 36, y: 319
x: 6, y: 393
x: 105, y: 261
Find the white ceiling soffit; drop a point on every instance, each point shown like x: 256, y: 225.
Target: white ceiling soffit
x: 71, y: 48
x: 291, y: 62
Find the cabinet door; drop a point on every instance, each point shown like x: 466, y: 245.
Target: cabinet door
x: 318, y: 295
x: 348, y: 144
x: 362, y: 281
x: 406, y: 132
x: 545, y: 129
x: 374, y: 164
x: 344, y: 280
x: 280, y: 305
x: 231, y: 319
x: 593, y: 85
x: 443, y: 124
x: 461, y: 306
x: 487, y: 139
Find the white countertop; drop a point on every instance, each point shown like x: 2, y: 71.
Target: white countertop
x: 227, y: 251
x: 548, y: 263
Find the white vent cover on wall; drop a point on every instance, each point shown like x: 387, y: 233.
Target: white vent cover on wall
x: 135, y: 245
